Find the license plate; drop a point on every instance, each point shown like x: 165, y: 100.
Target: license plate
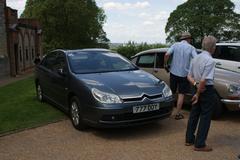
x: 146, y: 108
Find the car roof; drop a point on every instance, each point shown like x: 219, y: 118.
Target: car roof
x: 84, y: 50
x: 228, y: 44
x: 152, y: 51
x: 155, y: 50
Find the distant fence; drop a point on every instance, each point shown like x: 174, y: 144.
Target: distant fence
x: 4, y: 67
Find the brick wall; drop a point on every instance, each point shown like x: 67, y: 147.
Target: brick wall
x: 4, y: 62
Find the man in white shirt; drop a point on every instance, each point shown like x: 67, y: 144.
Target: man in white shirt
x: 201, y: 75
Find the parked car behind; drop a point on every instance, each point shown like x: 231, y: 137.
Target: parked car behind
x: 100, y: 88
x: 226, y: 82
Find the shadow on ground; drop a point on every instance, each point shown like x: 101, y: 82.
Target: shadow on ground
x: 165, y: 127
x: 233, y: 116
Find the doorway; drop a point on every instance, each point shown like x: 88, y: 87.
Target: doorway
x: 16, y: 58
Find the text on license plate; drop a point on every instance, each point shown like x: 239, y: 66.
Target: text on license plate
x: 146, y: 108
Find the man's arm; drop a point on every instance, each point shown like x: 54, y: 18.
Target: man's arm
x: 190, y: 79
x: 168, y: 54
x: 166, y: 58
x: 200, y: 89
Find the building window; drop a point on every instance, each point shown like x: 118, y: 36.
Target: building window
x: 20, y: 54
x: 27, y: 54
x: 33, y: 54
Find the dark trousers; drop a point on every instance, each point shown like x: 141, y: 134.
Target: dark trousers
x: 202, y: 113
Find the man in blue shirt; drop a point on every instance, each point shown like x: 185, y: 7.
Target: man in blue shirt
x: 181, y: 52
x: 201, y: 75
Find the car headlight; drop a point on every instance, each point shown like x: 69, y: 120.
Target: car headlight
x: 104, y: 97
x: 234, y: 89
x: 166, y: 91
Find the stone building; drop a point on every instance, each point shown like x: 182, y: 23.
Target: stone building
x: 20, y: 42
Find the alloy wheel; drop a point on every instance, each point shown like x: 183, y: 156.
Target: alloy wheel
x: 75, y: 113
x: 39, y: 93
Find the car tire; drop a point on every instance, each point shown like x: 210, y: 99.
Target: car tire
x: 75, y: 114
x: 218, y: 109
x: 39, y: 92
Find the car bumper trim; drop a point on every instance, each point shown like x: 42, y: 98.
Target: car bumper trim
x: 229, y: 101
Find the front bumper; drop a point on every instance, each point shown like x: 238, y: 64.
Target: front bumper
x: 231, y: 104
x: 122, y: 115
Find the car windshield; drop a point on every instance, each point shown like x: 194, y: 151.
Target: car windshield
x: 82, y: 62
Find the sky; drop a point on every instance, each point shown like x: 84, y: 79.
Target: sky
x: 135, y: 20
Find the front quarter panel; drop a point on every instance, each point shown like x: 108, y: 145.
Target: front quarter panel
x: 80, y: 89
x: 223, y: 79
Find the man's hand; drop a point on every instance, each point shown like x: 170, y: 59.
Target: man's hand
x: 195, y: 99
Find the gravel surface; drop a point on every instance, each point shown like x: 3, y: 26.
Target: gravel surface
x: 163, y: 140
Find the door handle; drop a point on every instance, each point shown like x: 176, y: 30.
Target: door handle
x: 218, y: 64
x: 239, y: 67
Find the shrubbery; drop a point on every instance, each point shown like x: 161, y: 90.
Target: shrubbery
x: 131, y: 48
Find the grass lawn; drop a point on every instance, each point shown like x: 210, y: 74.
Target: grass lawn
x: 20, y: 109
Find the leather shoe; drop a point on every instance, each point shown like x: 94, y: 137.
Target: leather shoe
x: 189, y: 144
x: 203, y: 149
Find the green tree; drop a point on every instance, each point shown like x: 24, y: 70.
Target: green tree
x: 204, y: 17
x: 68, y: 24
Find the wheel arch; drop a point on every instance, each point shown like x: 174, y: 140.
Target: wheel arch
x: 69, y: 97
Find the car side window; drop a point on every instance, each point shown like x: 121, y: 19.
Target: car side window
x: 234, y: 53
x: 60, y: 62
x: 231, y: 53
x: 146, y: 61
x: 49, y: 60
x: 160, y: 60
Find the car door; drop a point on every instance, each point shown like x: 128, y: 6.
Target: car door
x: 146, y: 62
x: 45, y: 74
x: 159, y: 70
x: 228, y: 57
x: 59, y: 79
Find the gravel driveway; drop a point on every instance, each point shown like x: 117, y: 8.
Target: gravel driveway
x: 159, y: 141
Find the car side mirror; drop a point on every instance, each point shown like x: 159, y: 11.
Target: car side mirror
x: 61, y: 72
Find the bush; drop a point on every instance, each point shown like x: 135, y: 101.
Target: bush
x: 131, y: 48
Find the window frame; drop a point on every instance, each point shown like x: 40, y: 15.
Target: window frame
x: 46, y: 58
x: 147, y: 54
x: 158, y: 53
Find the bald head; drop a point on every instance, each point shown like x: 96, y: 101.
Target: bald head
x: 209, y: 44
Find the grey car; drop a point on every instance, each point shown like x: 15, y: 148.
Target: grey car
x: 100, y: 88
x: 226, y: 82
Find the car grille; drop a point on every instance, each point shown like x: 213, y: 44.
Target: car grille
x: 140, y: 98
x: 131, y: 116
